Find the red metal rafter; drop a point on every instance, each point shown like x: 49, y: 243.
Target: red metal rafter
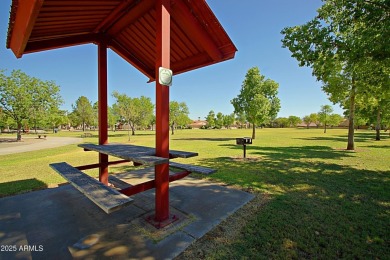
x: 133, y: 60
x: 184, y: 17
x: 27, y: 13
x: 190, y: 62
x: 112, y: 17
x: 51, y: 44
x: 137, y: 11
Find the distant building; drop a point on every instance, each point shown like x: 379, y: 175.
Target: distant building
x: 197, y: 124
x: 311, y: 125
x: 345, y: 124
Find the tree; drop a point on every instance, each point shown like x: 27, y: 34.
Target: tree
x: 241, y: 119
x: 95, y: 117
x: 335, y: 119
x: 293, y: 121
x: 24, y: 98
x: 228, y: 120
x: 323, y: 115
x: 178, y: 115
x: 359, y: 121
x: 219, y: 120
x: 346, y: 47
x: 54, y: 118
x: 152, y: 121
x: 73, y: 119
x: 83, y: 110
x: 126, y: 108
x: 134, y: 111
x: 374, y: 106
x: 145, y: 111
x: 257, y: 99
x: 210, y: 118
x: 312, y: 118
x: 3, y: 120
x: 346, y: 38
x: 307, y: 121
x: 281, y: 122
x: 113, y: 118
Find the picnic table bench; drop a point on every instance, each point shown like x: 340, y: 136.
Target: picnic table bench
x: 86, y: 135
x: 192, y: 168
x: 108, y: 198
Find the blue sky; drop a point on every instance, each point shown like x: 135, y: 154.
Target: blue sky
x: 253, y: 25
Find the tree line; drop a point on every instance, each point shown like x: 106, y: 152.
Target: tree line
x: 28, y: 103
x: 324, y: 118
x: 134, y: 113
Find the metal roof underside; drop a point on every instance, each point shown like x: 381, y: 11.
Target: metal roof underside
x: 127, y: 26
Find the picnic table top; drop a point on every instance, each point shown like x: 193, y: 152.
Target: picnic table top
x: 140, y: 154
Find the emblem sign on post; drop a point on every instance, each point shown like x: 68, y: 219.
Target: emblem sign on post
x: 165, y: 76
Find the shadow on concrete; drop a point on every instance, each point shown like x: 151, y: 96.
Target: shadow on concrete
x: 55, y: 220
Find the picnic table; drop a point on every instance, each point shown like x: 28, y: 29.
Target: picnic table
x: 109, y: 198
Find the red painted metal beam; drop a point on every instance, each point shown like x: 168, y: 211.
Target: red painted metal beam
x: 184, y: 17
x: 102, y: 109
x: 151, y: 184
x: 97, y: 165
x: 178, y: 176
x: 26, y: 15
x: 162, y: 110
x: 138, y: 188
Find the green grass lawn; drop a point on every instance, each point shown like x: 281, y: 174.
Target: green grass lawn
x: 323, y: 202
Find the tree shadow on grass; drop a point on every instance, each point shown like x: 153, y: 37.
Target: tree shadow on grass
x: 292, y: 152
x: 8, y: 140
x: 206, y: 139
x: 378, y: 146
x: 360, y: 137
x: 113, y: 135
x: 14, y: 187
x: 320, y: 209
x: 370, y: 135
x: 121, y: 135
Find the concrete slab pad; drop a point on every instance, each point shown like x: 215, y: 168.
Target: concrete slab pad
x: 51, y: 224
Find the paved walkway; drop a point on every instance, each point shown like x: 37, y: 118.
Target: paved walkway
x: 33, y: 143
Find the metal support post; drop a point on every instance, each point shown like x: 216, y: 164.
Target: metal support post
x: 162, y: 110
x: 102, y: 108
